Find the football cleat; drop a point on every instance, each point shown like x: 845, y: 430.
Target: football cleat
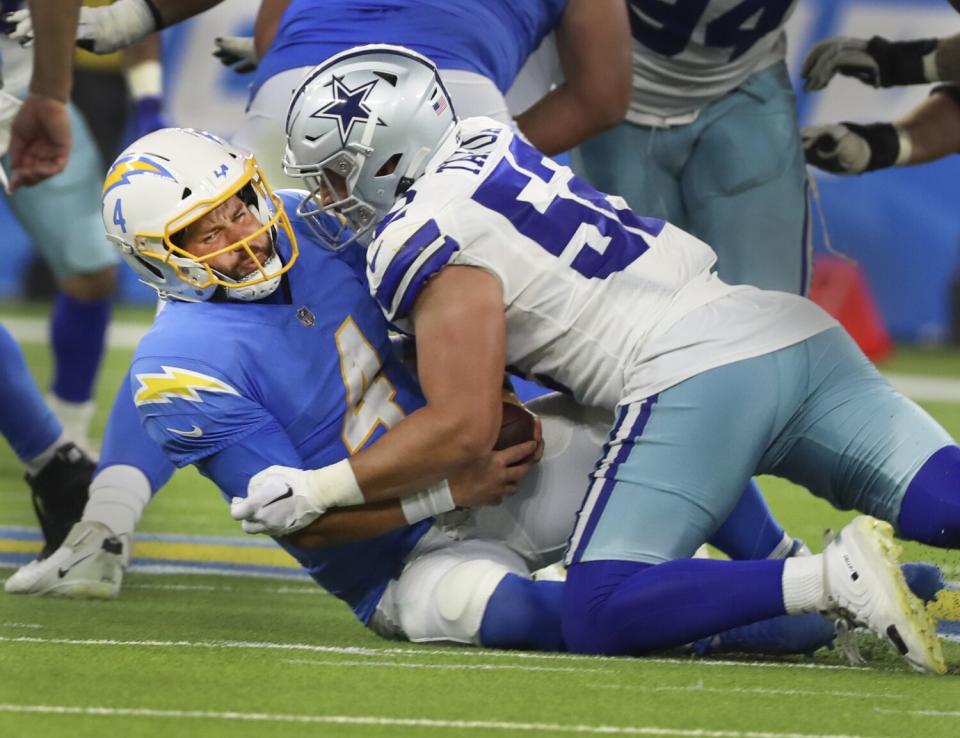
x: 864, y: 585
x: 89, y: 565
x: 59, y: 492
x: 785, y: 634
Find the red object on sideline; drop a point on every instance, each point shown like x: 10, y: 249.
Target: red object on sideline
x: 840, y: 287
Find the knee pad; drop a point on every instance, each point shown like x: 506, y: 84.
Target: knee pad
x: 462, y: 594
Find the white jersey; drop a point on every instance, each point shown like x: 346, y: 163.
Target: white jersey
x: 610, y: 306
x: 690, y: 52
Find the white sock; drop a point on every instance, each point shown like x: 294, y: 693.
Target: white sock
x: 118, y: 495
x: 782, y: 549
x: 39, y: 461
x: 803, y: 584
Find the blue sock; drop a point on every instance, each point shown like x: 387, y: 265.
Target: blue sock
x: 930, y: 511
x: 522, y: 613
x: 126, y: 442
x: 25, y: 420
x: 750, y: 531
x: 629, y: 608
x: 77, y: 330
x: 804, y: 633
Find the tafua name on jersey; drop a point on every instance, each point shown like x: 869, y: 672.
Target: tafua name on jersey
x: 472, y: 153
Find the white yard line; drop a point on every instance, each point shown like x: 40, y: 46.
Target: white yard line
x: 446, y: 667
x: 120, y: 334
x: 920, y: 713
x: 468, y: 652
x: 763, y: 691
x: 396, y: 722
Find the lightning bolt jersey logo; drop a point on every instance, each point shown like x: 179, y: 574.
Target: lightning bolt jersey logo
x: 129, y: 166
x: 174, y: 383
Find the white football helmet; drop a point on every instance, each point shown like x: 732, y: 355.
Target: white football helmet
x: 372, y: 116
x: 169, y: 179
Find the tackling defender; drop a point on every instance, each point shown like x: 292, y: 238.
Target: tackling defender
x: 476, y: 227
x: 300, y: 370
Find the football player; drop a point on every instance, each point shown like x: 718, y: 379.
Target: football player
x: 482, y: 59
x: 58, y: 471
x: 710, y: 142
x: 711, y: 383
x: 272, y: 349
x: 72, y: 245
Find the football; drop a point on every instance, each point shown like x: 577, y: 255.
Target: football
x: 516, y: 426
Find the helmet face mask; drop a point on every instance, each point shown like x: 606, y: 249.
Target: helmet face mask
x: 168, y: 181
x: 369, y: 119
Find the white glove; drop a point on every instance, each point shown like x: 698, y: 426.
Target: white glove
x: 237, y: 52
x: 281, y: 499
x: 100, y: 30
x: 847, y: 56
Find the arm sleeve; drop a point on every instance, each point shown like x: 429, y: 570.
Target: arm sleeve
x: 403, y: 260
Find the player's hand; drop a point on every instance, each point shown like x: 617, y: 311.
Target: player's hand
x: 237, y: 52
x: 486, y: 481
x: 279, y: 501
x: 842, y: 55
x: 875, y: 62
x: 39, y: 140
x: 850, y: 148
x: 100, y: 30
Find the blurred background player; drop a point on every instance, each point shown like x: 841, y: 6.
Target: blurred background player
x: 40, y: 132
x: 929, y: 132
x: 711, y: 142
x: 480, y: 47
x: 60, y: 215
x: 57, y: 471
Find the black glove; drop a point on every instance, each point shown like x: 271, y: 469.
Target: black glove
x: 851, y: 148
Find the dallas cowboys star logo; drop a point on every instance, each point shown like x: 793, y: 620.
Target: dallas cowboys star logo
x: 347, y: 107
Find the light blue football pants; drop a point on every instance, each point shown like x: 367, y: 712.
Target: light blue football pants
x: 817, y: 413
x: 62, y: 214
x: 734, y: 178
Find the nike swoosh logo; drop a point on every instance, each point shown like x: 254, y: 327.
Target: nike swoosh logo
x: 194, y: 432
x: 285, y: 495
x: 63, y: 572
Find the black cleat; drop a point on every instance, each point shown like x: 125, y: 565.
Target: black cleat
x: 59, y: 492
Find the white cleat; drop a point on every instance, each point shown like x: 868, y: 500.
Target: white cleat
x: 89, y: 565
x: 863, y: 583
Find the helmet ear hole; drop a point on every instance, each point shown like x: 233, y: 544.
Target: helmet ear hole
x: 389, y: 166
x: 150, y: 267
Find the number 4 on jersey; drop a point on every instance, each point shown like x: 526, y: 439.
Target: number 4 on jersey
x: 370, y: 402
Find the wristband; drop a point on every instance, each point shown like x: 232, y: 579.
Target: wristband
x: 145, y: 79
x: 431, y: 501
x: 901, y: 62
x: 158, y: 24
x: 883, y: 140
x: 333, y: 486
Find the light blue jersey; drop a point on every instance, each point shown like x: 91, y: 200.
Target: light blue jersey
x: 304, y: 378
x: 490, y: 37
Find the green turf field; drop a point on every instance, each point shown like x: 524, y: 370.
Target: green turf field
x: 214, y: 655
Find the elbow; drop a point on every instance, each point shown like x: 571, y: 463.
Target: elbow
x: 470, y: 436
x: 613, y: 105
